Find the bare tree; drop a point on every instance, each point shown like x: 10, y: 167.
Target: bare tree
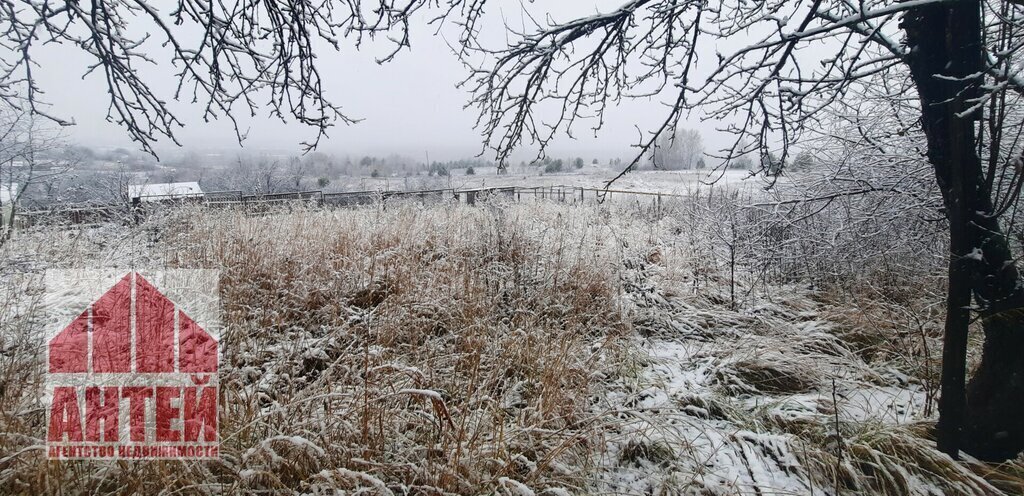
x: 260, y: 175
x: 961, y: 57
x: 27, y: 158
x: 682, y: 150
x: 296, y: 173
x: 231, y: 57
x: 803, y: 161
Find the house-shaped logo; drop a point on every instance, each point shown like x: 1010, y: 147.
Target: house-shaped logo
x: 133, y: 376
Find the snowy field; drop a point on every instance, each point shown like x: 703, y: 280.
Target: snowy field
x: 519, y: 349
x: 671, y: 182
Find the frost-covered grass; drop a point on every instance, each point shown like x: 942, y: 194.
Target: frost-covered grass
x: 532, y: 348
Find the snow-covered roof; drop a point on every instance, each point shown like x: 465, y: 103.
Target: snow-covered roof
x: 7, y: 192
x: 162, y: 191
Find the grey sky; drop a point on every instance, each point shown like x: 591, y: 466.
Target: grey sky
x: 409, y: 106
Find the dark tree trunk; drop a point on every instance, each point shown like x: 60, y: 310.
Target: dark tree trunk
x: 986, y: 420
x: 995, y: 397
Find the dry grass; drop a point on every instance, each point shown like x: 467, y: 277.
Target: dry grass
x: 906, y: 337
x: 503, y: 349
x: 339, y: 328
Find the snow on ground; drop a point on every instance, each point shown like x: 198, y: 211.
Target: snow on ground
x: 700, y: 408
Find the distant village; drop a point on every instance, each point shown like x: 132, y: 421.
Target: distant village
x: 74, y: 176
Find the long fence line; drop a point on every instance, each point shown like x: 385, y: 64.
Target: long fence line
x: 265, y: 203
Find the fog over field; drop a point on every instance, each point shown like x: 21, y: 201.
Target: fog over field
x: 513, y: 248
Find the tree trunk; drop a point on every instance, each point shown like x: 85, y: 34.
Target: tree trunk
x: 8, y: 224
x: 987, y: 420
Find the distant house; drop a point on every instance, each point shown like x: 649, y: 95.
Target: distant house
x: 164, y: 191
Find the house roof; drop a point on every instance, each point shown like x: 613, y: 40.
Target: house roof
x: 159, y: 191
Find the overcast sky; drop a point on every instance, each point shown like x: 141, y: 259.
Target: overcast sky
x: 409, y: 106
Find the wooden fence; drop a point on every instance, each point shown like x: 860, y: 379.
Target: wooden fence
x: 268, y: 203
